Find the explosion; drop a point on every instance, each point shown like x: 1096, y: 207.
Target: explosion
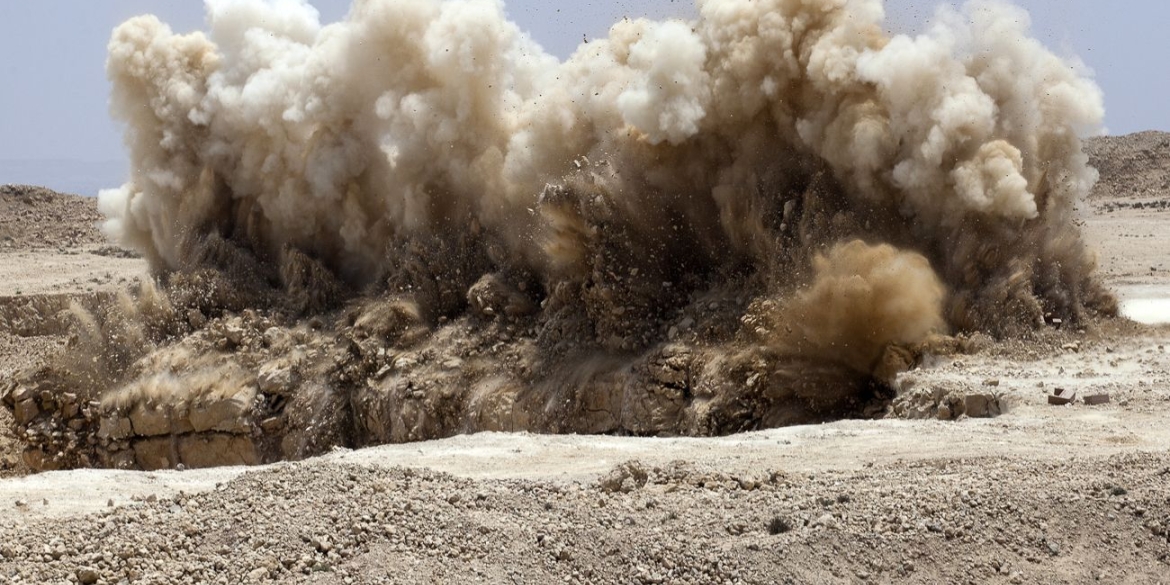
x: 422, y: 224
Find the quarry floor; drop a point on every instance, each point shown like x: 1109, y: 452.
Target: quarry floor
x: 1041, y: 493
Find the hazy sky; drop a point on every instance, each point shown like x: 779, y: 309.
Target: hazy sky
x: 53, y: 98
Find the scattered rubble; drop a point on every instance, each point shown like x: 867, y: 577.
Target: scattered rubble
x: 980, y: 519
x: 944, y: 401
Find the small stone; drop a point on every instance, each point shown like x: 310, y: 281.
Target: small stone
x: 234, y: 333
x: 826, y: 521
x: 196, y: 319
x: 25, y: 411
x: 87, y: 576
x: 272, y: 424
x: 1053, y: 548
x: 322, y: 544
x: 624, y: 478
x: 944, y: 412
x: 981, y: 405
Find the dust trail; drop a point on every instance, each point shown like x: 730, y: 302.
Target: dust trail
x: 778, y: 165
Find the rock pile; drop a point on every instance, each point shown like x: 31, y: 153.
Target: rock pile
x: 57, y: 428
x: 945, y: 400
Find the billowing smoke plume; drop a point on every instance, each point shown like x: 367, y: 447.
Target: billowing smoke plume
x: 776, y: 173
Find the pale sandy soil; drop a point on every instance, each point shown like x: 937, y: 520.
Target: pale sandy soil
x: 34, y: 272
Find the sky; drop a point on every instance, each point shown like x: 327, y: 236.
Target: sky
x: 54, y: 92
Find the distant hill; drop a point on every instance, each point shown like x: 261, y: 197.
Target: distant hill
x: 1134, y: 166
x: 35, y: 217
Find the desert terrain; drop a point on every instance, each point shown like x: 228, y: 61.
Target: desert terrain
x: 1040, y: 493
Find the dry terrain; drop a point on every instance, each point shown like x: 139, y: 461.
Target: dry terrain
x: 1041, y: 493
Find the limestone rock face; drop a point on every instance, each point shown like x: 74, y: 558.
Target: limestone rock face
x: 228, y: 413
x: 215, y: 449
x: 245, y: 391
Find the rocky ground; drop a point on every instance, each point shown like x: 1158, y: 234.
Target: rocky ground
x: 944, y: 520
x: 51, y: 251
x: 1041, y: 493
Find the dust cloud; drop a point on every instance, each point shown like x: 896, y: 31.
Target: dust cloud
x: 684, y: 228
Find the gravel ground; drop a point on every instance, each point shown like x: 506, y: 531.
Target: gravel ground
x: 997, y: 519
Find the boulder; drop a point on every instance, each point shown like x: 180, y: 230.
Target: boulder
x: 213, y: 450
x: 156, y: 453
x: 114, y: 426
x: 277, y: 378
x: 148, y: 421
x: 229, y: 414
x: 981, y: 405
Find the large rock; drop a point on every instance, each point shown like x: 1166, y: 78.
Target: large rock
x: 39, y: 460
x: 229, y: 414
x: 149, y: 420
x: 195, y: 451
x: 212, y: 450
x: 114, y: 426
x: 279, y: 378
x: 156, y: 453
x: 982, y: 405
x: 25, y: 411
